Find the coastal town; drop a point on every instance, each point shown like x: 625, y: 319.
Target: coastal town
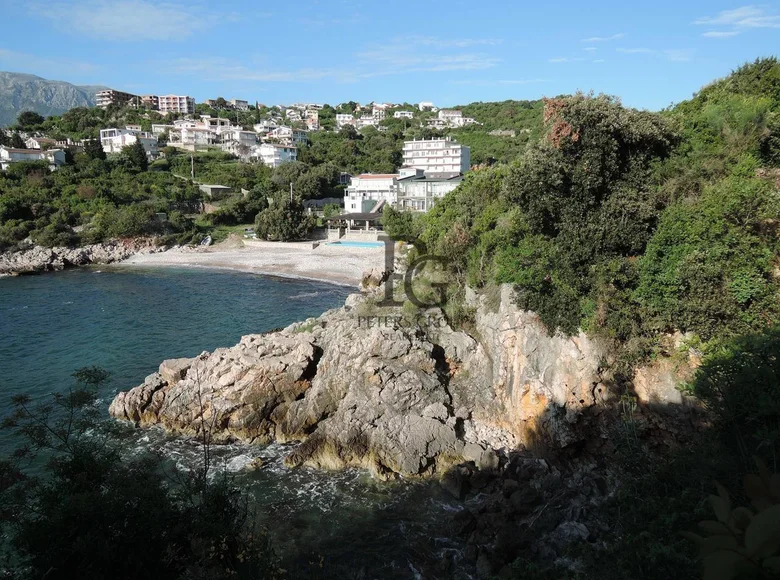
x: 430, y: 168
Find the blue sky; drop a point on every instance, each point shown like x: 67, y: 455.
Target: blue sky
x: 446, y: 51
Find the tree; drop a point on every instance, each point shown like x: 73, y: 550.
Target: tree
x: 17, y: 142
x: 3, y: 138
x: 135, y: 155
x: 93, y: 513
x: 93, y: 149
x: 285, y: 220
x: 29, y: 119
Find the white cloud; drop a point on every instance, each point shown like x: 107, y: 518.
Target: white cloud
x: 129, y: 20
x: 720, y: 33
x: 22, y: 61
x: 604, y: 38
x: 674, y: 55
x: 426, y: 54
x: 563, y: 59
x: 399, y: 56
x: 590, y: 48
x: 738, y: 20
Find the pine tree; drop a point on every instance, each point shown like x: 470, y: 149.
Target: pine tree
x: 136, y: 156
x: 93, y: 149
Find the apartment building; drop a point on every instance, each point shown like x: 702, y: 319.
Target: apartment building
x: 403, y: 115
x: 239, y: 105
x: 366, y: 190
x: 418, y: 191
x: 113, y: 140
x: 288, y: 135
x: 273, y: 154
x: 111, y: 97
x: 437, y: 156
x: 151, y: 102
x: 9, y: 156
x: 176, y: 104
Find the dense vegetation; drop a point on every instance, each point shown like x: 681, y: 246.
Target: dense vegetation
x: 72, y: 506
x: 628, y: 223
x: 631, y: 225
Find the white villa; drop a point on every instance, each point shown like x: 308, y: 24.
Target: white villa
x: 418, y: 191
x: 113, y: 140
x: 9, y: 156
x: 365, y: 191
x: 273, y: 154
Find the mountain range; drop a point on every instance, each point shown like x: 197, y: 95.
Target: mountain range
x: 24, y: 92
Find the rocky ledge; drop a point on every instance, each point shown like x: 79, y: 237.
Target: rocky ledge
x: 38, y: 259
x: 356, y: 387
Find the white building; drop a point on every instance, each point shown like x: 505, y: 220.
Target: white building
x: 273, y: 154
x: 437, y: 156
x: 264, y: 127
x: 452, y: 118
x: 114, y: 140
x: 344, y: 119
x: 403, y: 115
x: 9, y: 156
x: 214, y: 123
x: 40, y: 143
x: 111, y: 97
x: 365, y: 191
x: 379, y: 113
x: 366, y: 121
x: 194, y: 138
x: 288, y: 135
x: 418, y: 191
x: 176, y: 104
x: 239, y: 105
x: 239, y: 136
x: 425, y: 106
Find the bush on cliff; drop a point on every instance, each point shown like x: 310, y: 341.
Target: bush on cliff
x: 71, y: 506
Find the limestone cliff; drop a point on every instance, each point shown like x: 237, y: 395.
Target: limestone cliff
x: 380, y: 393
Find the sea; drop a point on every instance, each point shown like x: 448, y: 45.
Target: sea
x: 128, y: 319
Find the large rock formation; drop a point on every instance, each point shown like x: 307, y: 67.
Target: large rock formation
x: 367, y: 388
x: 40, y: 259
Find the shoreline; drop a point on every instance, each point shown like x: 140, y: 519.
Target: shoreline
x: 294, y: 260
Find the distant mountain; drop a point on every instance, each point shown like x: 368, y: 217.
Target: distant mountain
x: 22, y: 92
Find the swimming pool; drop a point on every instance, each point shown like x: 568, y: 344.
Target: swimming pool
x: 352, y: 244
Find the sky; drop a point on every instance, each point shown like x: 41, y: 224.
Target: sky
x: 453, y: 52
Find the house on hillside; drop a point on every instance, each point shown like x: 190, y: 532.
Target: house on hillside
x: 40, y: 143
x: 8, y: 156
x: 417, y: 190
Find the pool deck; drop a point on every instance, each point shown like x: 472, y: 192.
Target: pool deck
x: 340, y: 264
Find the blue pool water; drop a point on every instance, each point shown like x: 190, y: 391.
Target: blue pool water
x: 352, y: 244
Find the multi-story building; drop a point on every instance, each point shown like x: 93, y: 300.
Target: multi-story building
x: 426, y: 106
x: 403, y: 115
x: 344, y: 119
x: 113, y: 140
x: 176, y: 104
x: 378, y: 112
x: 239, y: 136
x: 151, y: 102
x: 265, y: 127
x: 418, y: 191
x: 112, y: 97
x: 312, y: 119
x: 366, y: 121
x: 365, y: 191
x: 273, y: 154
x: 9, y: 156
x: 239, y: 105
x: 215, y: 123
x: 437, y: 156
x: 288, y: 135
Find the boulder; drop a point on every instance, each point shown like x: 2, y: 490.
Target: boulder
x: 174, y: 370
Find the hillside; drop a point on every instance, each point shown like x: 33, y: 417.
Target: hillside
x: 23, y: 92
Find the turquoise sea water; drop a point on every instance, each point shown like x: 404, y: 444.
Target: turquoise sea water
x: 127, y: 320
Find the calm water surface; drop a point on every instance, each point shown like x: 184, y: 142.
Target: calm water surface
x: 128, y: 320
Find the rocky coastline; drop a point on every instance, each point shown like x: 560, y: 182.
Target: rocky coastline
x: 38, y: 259
x: 358, y: 388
